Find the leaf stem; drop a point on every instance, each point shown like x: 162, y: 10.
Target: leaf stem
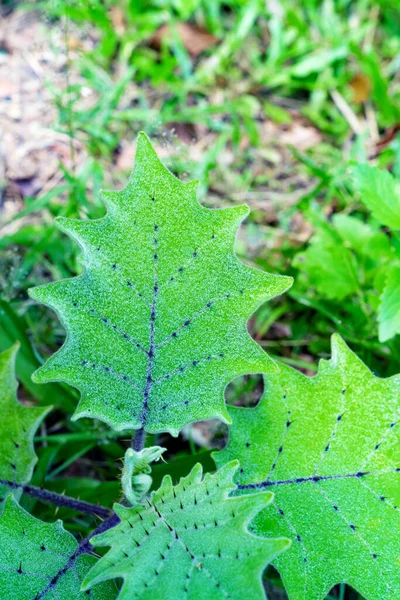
x: 139, y: 439
x: 59, y: 499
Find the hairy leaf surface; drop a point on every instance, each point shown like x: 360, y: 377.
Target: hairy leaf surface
x: 157, y: 321
x: 38, y: 560
x: 189, y: 542
x: 18, y: 425
x: 328, y: 447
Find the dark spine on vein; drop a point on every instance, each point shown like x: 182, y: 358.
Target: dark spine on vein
x: 85, y: 547
x: 139, y: 438
x: 298, y: 480
x: 58, y: 499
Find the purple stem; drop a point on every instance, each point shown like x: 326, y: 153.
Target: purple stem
x: 59, y: 499
x: 138, y: 440
x: 85, y: 547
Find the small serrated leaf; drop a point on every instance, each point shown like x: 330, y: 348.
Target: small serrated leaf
x: 380, y: 192
x: 190, y: 541
x: 157, y: 321
x: 330, y: 266
x: 18, y: 425
x: 328, y: 447
x: 38, y: 561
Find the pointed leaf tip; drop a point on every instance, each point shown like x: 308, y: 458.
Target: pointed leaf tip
x: 145, y: 149
x: 338, y: 344
x: 8, y: 357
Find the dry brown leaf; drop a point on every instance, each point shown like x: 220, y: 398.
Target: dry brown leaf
x: 117, y: 17
x: 300, y: 134
x: 194, y: 38
x: 361, y: 86
x: 74, y: 43
x: 186, y: 132
x: 387, y: 137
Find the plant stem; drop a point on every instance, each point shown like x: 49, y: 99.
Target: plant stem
x: 59, y: 499
x: 85, y: 547
x: 109, y: 523
x: 138, y: 440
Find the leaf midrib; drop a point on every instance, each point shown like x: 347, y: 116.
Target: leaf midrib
x: 315, y: 479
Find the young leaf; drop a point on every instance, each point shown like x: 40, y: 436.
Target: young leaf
x: 41, y: 561
x: 18, y: 425
x: 157, y: 321
x: 190, y: 541
x: 330, y: 266
x: 328, y: 447
x: 135, y: 479
x: 362, y: 239
x: 380, y: 192
x: 389, y: 308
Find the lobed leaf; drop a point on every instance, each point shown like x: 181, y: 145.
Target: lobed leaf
x: 328, y: 447
x: 18, y: 425
x: 190, y: 542
x: 40, y: 561
x: 156, y: 324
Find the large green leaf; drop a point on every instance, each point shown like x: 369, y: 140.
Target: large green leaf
x: 157, y: 321
x: 18, y: 425
x: 328, y: 447
x: 380, y: 192
x: 189, y: 542
x: 41, y: 560
x: 389, y: 308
